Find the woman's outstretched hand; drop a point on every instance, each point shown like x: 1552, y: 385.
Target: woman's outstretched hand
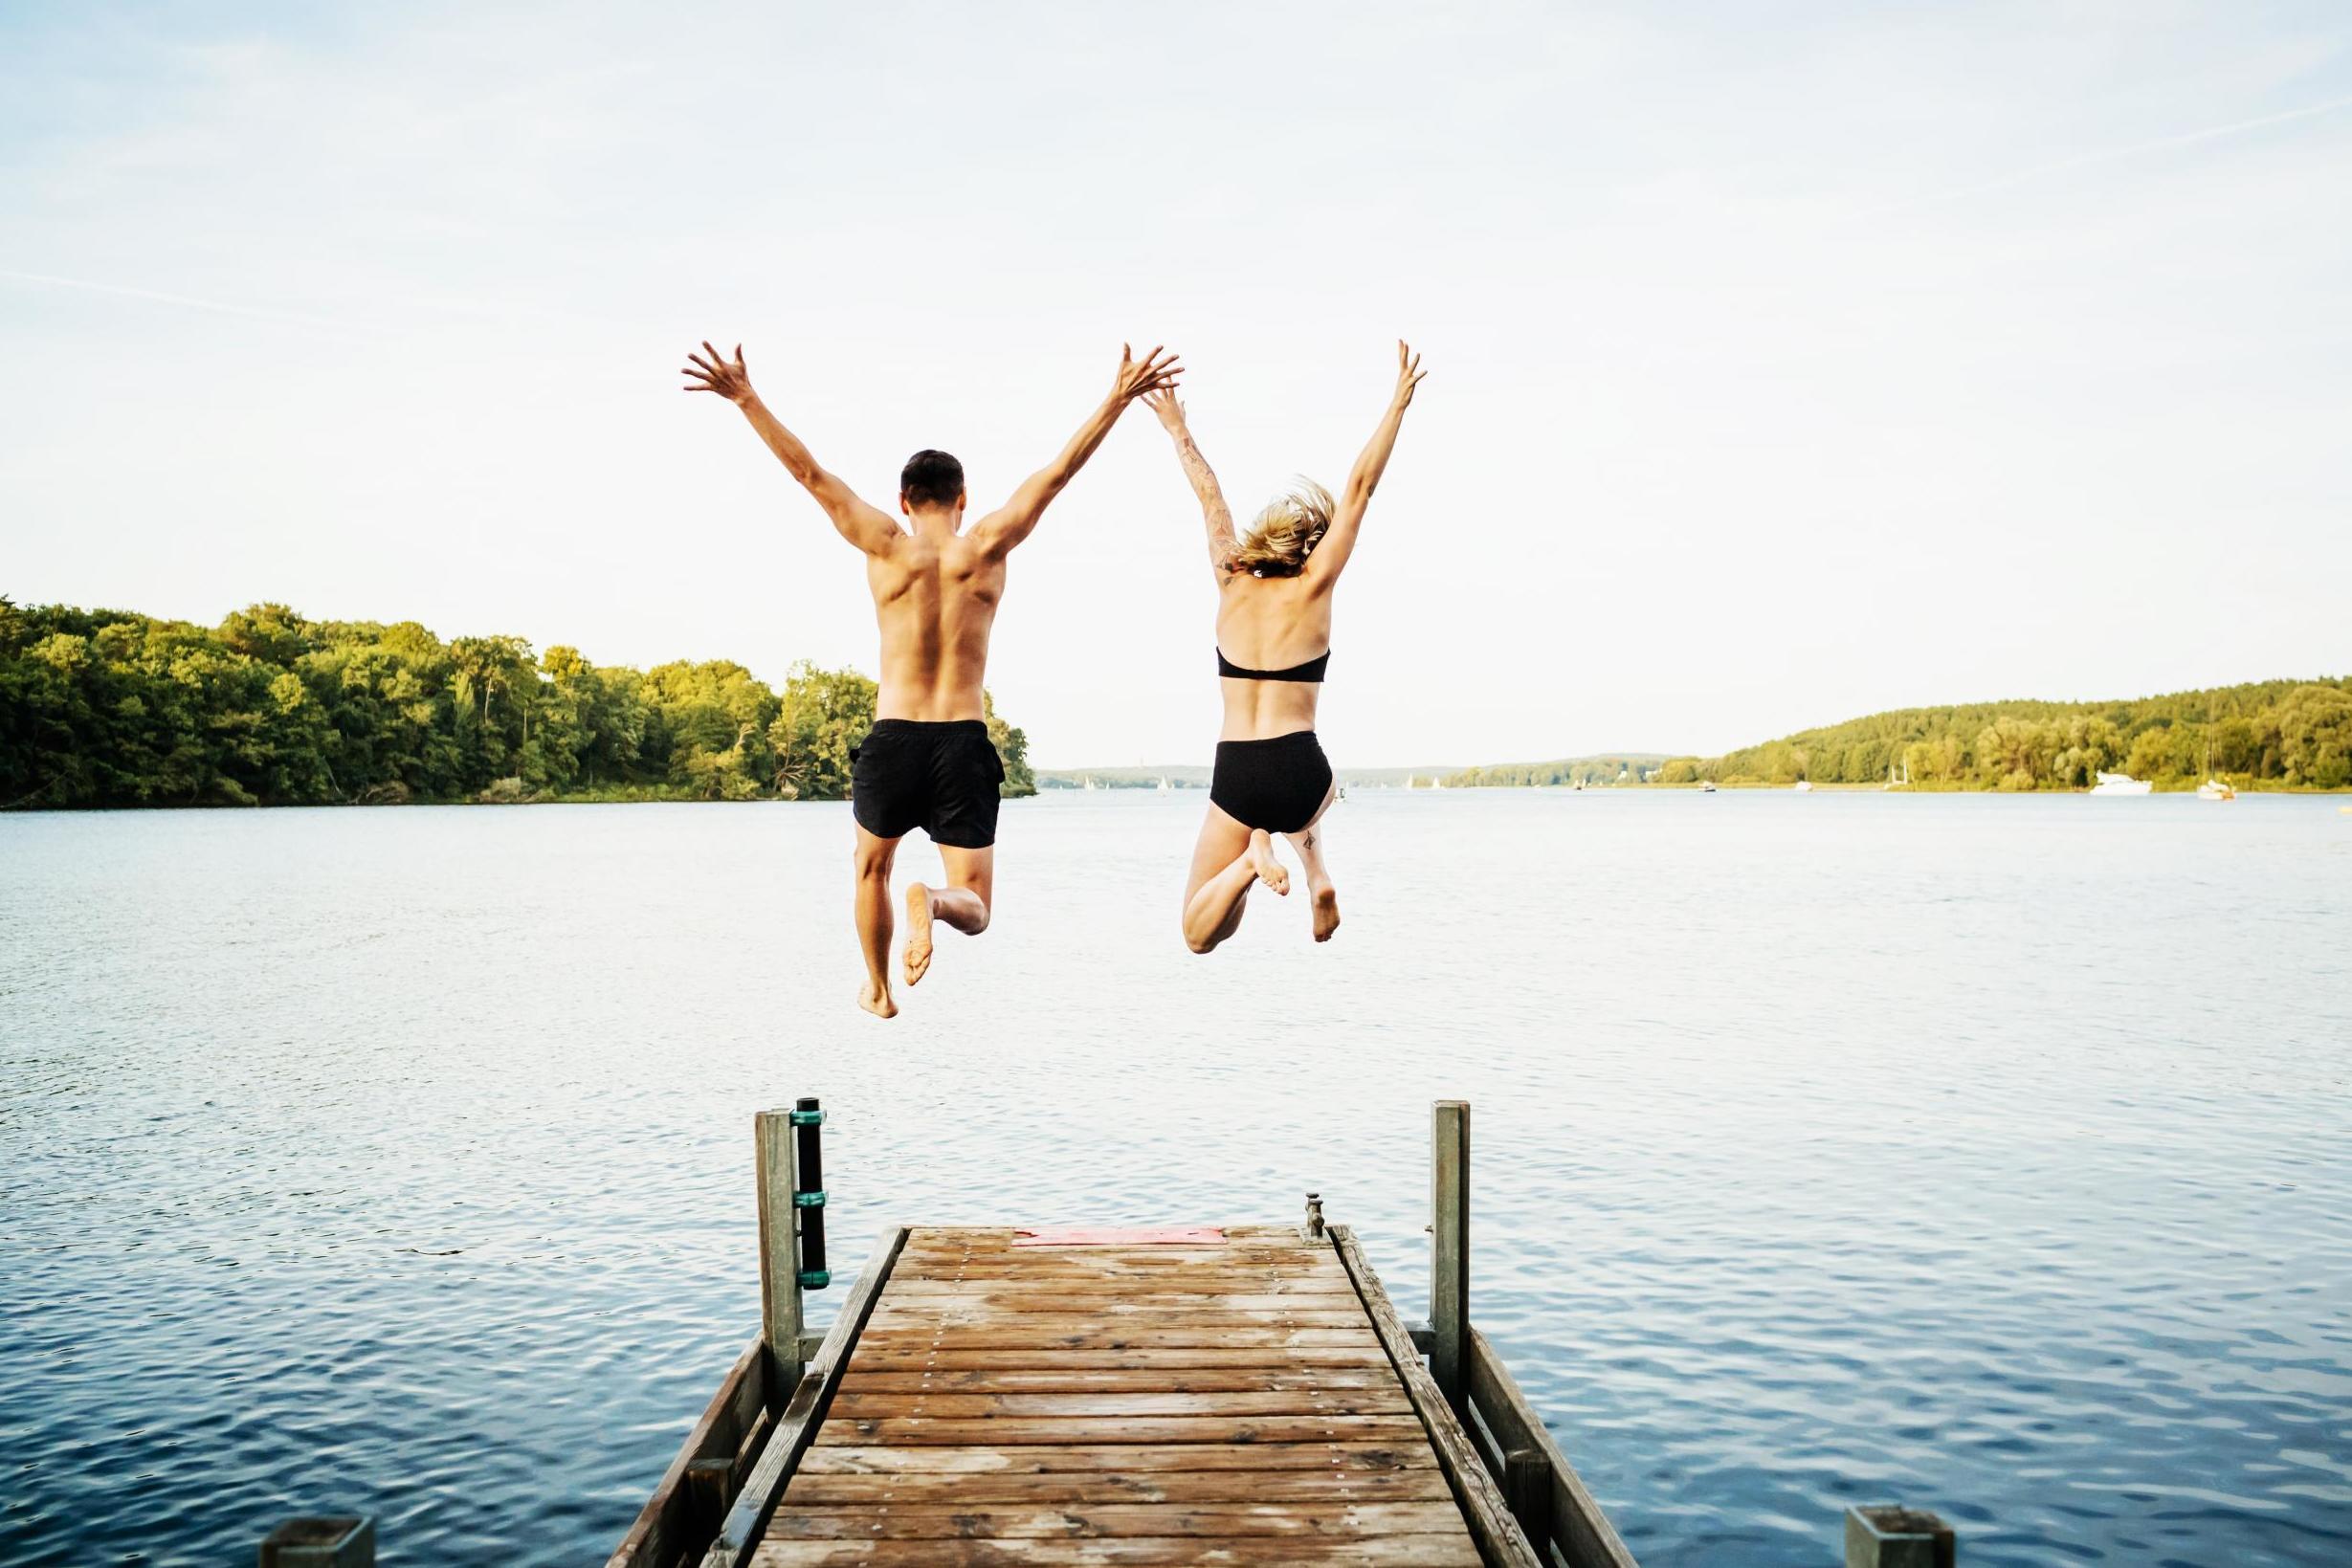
x: 1408, y: 374
x: 716, y: 374
x: 1170, y: 412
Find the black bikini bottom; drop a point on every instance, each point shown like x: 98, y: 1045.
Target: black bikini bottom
x: 1278, y: 783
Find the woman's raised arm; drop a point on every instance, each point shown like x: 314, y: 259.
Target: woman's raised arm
x: 1213, y: 510
x: 1347, y: 519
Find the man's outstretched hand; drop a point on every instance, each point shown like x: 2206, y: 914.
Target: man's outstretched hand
x: 715, y: 374
x: 1153, y: 373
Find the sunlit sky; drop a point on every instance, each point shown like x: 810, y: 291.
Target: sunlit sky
x: 1787, y: 363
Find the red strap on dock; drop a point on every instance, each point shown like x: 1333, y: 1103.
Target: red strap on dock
x: 1084, y: 1235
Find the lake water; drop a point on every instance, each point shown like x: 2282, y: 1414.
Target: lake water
x: 1985, y: 1154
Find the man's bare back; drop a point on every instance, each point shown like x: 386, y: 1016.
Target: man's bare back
x: 928, y: 761
x: 935, y: 602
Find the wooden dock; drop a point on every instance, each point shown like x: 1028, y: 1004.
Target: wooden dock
x: 1240, y: 1394
x: 1224, y: 1399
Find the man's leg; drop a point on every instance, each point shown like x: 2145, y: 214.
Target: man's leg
x: 963, y: 903
x: 873, y: 859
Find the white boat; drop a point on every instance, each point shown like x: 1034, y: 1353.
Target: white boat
x: 1803, y: 786
x: 1706, y: 786
x: 2213, y: 789
x: 2121, y: 784
x: 1165, y: 785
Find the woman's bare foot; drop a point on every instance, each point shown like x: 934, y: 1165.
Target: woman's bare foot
x: 1270, y: 871
x: 1326, y: 912
x: 875, y: 999
x: 917, y: 931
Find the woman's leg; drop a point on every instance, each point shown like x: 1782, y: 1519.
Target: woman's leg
x: 1225, y: 861
x: 1308, y: 841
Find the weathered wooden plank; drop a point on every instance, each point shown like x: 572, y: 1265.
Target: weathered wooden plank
x: 1455, y: 1551
x: 1174, y: 1379
x: 1010, y: 1430
x: 1018, y: 1337
x: 1112, y: 1270
x: 1497, y: 1535
x: 665, y: 1526
x: 802, y: 1413
x: 1007, y: 1235
x: 1109, y: 1314
x: 1051, y: 1459
x: 922, y: 1356
x: 1586, y: 1538
x: 1048, y: 1257
x: 1233, y: 1294
x: 1119, y: 1484
x: 1124, y: 1404
x: 1206, y: 1521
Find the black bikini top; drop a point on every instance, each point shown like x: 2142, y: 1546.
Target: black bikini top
x: 1312, y: 670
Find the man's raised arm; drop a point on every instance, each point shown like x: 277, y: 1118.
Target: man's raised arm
x: 868, y: 527
x: 1012, y: 522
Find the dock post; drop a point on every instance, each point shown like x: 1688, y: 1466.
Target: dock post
x: 320, y: 1543
x: 1449, y: 1249
x: 1889, y: 1536
x: 779, y: 1250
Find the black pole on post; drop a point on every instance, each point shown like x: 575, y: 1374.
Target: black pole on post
x: 808, y: 1191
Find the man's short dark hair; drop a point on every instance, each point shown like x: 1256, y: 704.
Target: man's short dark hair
x: 931, y: 479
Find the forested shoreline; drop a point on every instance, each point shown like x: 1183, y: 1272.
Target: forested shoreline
x: 2273, y: 733
x: 111, y: 708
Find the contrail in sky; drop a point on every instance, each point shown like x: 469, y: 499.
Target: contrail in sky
x: 186, y: 302
x: 1999, y: 182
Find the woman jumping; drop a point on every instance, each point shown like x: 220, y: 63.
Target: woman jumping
x: 1274, y: 612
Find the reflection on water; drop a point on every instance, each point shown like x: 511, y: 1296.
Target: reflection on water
x: 1985, y: 1154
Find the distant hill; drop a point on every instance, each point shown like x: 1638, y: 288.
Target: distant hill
x: 1190, y: 776
x: 2273, y: 733
x: 1600, y: 768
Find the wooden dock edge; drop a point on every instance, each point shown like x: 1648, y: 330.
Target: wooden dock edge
x: 668, y: 1526
x: 1501, y: 1540
x: 797, y: 1422
x: 1546, y: 1493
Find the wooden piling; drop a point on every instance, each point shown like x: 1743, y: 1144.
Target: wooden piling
x: 1886, y: 1536
x: 779, y: 1248
x: 1450, y: 1247
x: 320, y: 1543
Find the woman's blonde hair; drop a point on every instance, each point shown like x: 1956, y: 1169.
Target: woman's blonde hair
x: 1285, y: 534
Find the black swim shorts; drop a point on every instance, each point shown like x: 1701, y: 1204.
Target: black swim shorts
x: 1276, y: 783
x: 940, y: 777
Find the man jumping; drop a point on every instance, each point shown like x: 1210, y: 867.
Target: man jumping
x: 928, y: 761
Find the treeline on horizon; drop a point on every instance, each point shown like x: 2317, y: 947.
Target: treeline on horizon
x: 101, y: 707
x: 2279, y: 734
x: 1631, y: 767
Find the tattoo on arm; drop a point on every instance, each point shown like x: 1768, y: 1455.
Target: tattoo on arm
x: 1213, y: 510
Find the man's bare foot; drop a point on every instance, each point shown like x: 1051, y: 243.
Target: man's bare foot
x: 1326, y: 912
x: 917, y: 931
x: 1270, y: 871
x: 875, y: 999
